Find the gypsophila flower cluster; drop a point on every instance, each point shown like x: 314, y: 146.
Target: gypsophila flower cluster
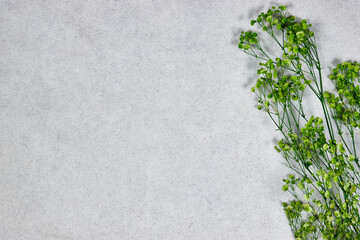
x: 321, y: 152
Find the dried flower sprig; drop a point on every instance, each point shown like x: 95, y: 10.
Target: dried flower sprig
x: 322, y: 154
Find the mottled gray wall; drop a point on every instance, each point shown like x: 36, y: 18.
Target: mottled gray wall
x: 134, y: 120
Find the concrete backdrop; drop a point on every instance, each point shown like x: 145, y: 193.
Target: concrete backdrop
x: 134, y: 119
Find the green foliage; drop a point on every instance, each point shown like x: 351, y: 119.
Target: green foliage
x: 321, y: 152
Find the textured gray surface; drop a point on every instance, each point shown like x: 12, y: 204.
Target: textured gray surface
x: 134, y: 120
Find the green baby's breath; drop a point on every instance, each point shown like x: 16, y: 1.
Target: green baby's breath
x: 321, y: 153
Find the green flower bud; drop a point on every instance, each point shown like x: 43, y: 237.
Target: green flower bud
x: 328, y: 184
x: 268, y: 19
x: 300, y: 34
x: 327, y: 194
